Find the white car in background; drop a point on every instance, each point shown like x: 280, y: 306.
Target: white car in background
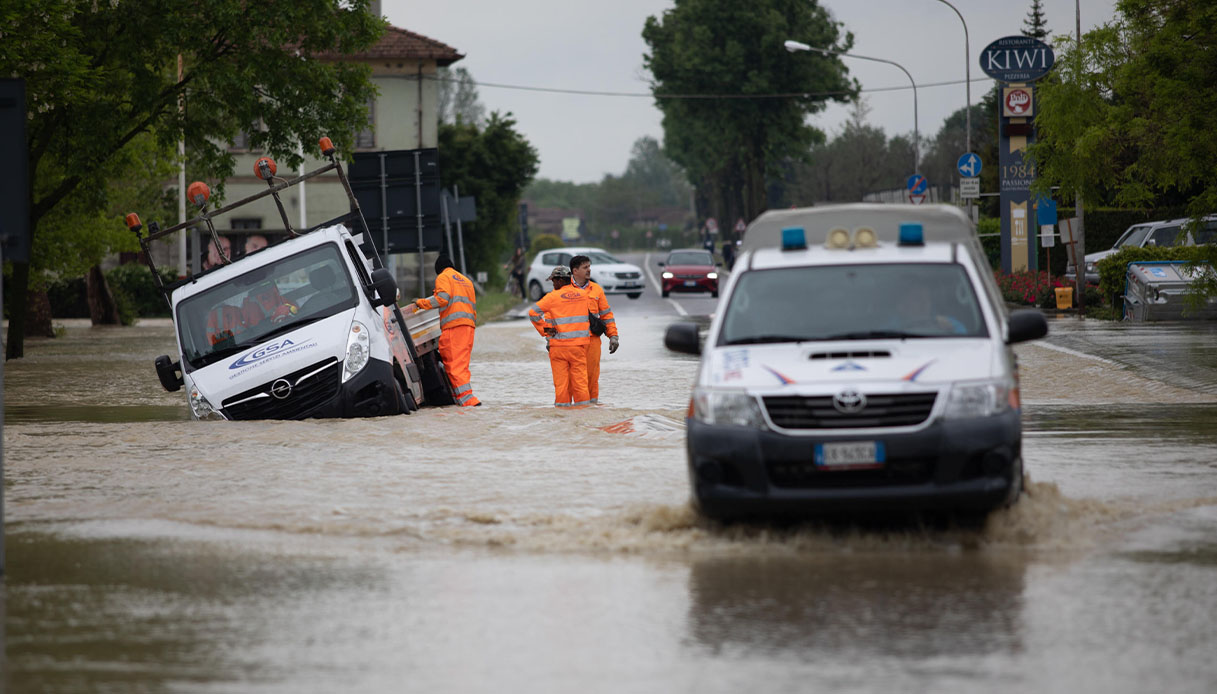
x: 613, y: 275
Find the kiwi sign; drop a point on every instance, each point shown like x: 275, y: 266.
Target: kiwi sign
x: 1017, y: 59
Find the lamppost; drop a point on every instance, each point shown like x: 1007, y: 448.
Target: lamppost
x: 967, y: 62
x: 794, y: 46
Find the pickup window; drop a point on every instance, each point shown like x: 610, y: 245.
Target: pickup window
x: 852, y: 302
x: 268, y: 300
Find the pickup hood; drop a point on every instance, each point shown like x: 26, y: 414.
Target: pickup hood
x: 1099, y: 255
x: 826, y: 366
x: 283, y: 354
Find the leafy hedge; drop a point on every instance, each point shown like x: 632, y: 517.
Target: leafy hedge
x: 131, y: 284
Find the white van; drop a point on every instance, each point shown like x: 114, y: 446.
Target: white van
x: 308, y: 327
x: 859, y: 361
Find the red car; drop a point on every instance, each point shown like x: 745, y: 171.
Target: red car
x: 690, y: 270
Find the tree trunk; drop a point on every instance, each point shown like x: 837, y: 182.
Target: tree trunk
x: 38, y: 319
x: 103, y: 309
x: 17, y: 299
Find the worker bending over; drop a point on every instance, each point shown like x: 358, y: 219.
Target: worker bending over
x: 597, y: 305
x: 457, y: 303
x: 561, y: 317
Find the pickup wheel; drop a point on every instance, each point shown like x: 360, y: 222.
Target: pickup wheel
x: 534, y: 291
x: 714, y: 294
x: 665, y: 293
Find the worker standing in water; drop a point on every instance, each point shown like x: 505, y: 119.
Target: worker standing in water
x: 561, y: 317
x: 598, y: 306
x: 457, y: 303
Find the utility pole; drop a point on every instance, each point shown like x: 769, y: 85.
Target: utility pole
x: 1079, y: 267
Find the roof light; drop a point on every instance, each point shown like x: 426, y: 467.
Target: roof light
x: 265, y: 168
x: 793, y: 239
x: 198, y: 193
x: 837, y: 238
x: 912, y: 234
x: 865, y: 237
x: 327, y: 147
x: 133, y: 222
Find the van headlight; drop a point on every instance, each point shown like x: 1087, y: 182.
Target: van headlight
x: 728, y: 406
x: 200, y: 406
x: 358, y: 350
x: 978, y: 399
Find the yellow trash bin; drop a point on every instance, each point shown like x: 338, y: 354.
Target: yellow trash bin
x: 1064, y: 297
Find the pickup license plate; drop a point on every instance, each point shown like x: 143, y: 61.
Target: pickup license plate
x: 690, y: 283
x: 850, y: 455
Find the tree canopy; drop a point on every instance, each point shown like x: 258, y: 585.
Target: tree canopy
x: 102, y: 78
x: 732, y: 147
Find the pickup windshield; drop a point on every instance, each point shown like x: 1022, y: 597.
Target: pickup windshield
x: 852, y: 302
x: 267, y: 300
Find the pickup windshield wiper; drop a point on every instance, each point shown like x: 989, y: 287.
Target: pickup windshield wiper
x: 872, y: 335
x: 761, y: 339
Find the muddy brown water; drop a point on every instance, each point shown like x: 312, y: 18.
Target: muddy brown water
x: 514, y: 547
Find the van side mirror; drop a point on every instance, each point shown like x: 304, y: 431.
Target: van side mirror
x: 169, y: 372
x: 1028, y: 324
x: 384, y: 285
x: 682, y: 337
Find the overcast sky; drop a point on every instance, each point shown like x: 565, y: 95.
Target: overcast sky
x: 598, y: 46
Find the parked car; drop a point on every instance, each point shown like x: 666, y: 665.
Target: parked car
x: 689, y: 270
x: 610, y: 273
x: 1161, y: 233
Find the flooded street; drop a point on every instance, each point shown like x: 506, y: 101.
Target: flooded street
x: 516, y: 547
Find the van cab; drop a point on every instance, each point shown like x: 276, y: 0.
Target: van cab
x: 860, y: 361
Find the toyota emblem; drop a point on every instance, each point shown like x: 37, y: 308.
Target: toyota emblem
x: 282, y: 388
x: 849, y: 401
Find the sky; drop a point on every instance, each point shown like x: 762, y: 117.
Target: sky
x: 597, y: 46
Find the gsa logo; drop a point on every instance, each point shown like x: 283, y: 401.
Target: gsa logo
x: 260, y: 354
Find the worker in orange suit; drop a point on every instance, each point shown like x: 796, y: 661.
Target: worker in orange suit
x: 561, y: 317
x: 597, y: 305
x: 457, y: 303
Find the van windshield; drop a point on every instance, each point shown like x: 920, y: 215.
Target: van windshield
x: 852, y: 302
x: 268, y: 300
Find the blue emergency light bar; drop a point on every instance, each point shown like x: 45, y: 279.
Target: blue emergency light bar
x: 794, y: 239
x: 912, y: 234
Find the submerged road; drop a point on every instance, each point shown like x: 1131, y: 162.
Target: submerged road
x: 515, y: 547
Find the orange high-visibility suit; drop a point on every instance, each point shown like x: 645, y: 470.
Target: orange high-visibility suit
x: 597, y: 303
x: 457, y: 302
x: 564, y: 311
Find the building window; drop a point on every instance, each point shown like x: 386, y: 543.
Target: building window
x: 366, y: 138
x: 247, y: 224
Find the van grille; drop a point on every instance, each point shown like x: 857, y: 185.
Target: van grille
x: 818, y: 412
x: 312, y: 386
x: 628, y: 275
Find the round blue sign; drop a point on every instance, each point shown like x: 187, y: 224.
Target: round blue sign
x: 969, y: 165
x: 917, y: 184
x: 1017, y: 59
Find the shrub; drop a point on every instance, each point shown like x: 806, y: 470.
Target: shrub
x: 544, y: 242
x: 1113, y: 268
x: 991, y: 244
x: 136, y: 293
x: 1028, y: 288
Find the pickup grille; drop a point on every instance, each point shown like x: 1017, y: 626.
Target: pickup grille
x: 311, y: 387
x: 805, y: 475
x: 818, y: 412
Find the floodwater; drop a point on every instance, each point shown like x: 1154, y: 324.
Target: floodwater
x: 515, y: 547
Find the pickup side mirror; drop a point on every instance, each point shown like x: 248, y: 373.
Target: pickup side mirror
x: 384, y: 285
x: 170, y: 373
x: 1028, y: 324
x: 682, y: 337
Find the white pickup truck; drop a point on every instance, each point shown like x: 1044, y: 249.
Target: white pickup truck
x: 308, y: 327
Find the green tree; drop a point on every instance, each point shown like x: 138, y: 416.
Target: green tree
x: 494, y: 164
x: 732, y: 148
x: 1036, y: 25
x: 99, y: 76
x: 458, y: 97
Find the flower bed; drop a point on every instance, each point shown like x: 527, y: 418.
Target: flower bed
x: 1028, y: 288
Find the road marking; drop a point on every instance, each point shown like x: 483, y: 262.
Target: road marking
x: 646, y: 265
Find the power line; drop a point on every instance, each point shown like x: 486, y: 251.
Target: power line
x: 649, y: 95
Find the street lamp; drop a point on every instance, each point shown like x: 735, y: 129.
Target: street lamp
x: 794, y: 46
x: 967, y: 62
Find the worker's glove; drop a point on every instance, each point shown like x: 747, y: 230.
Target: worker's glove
x: 550, y: 332
x: 283, y: 313
x: 613, y: 344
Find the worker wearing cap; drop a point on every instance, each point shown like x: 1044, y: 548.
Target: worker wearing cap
x: 561, y: 317
x: 457, y: 303
x: 597, y: 305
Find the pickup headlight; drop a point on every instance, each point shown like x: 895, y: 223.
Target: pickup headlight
x: 1090, y: 267
x: 201, y: 408
x: 358, y: 350
x: 727, y: 406
x: 978, y: 399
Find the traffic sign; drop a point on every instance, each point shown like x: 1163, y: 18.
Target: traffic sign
x: 740, y: 226
x: 917, y: 184
x: 1045, y: 211
x: 969, y: 165
x: 969, y: 188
